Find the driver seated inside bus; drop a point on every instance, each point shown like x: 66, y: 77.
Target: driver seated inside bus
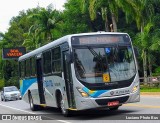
x: 120, y: 65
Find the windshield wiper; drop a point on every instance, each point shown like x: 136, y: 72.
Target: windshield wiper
x: 95, y: 54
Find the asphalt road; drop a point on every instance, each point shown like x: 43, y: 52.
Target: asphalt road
x: 149, y: 105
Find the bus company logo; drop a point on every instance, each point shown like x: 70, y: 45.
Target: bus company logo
x: 120, y: 92
x: 112, y: 92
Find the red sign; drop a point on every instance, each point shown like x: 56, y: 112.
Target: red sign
x: 10, y: 53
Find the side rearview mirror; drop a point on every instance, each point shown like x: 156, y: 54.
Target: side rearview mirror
x: 136, y: 51
x: 69, y: 57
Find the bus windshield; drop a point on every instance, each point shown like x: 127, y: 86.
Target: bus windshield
x: 92, y: 63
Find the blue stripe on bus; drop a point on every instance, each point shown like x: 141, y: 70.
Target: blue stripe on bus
x: 25, y: 84
x: 94, y: 93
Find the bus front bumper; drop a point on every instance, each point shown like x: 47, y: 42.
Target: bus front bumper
x: 90, y: 103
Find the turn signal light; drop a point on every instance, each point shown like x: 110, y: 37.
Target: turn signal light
x: 83, y: 94
x: 135, y: 88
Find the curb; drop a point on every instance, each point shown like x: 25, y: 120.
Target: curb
x: 150, y: 93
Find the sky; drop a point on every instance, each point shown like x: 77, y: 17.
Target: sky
x: 11, y: 8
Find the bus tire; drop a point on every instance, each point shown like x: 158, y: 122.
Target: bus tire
x: 64, y: 111
x: 33, y: 107
x: 114, y: 108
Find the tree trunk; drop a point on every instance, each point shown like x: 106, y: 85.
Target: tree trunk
x: 106, y: 25
x: 114, y: 22
x: 150, y: 65
x: 145, y: 57
x: 145, y: 66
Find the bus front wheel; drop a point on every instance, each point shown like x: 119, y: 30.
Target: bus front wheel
x: 64, y: 111
x: 33, y: 107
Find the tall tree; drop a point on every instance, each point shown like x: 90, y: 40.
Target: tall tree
x: 74, y: 21
x: 142, y: 12
x: 13, y: 38
x: 46, y: 19
x: 144, y: 41
x: 104, y: 7
x: 33, y: 38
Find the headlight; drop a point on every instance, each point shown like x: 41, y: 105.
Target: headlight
x: 7, y: 95
x: 83, y: 94
x: 19, y: 95
x: 135, y: 88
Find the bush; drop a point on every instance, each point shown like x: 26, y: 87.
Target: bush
x: 155, y: 74
x: 1, y: 83
x: 148, y: 88
x: 157, y: 71
x: 13, y: 81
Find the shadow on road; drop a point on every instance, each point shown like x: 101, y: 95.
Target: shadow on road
x: 94, y: 114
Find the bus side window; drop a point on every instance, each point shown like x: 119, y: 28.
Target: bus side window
x: 56, y: 60
x: 28, y: 68
x: 47, y: 62
x: 22, y: 69
x: 20, y: 65
x: 33, y: 66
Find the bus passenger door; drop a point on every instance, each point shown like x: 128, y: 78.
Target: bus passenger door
x: 68, y: 81
x: 40, y: 81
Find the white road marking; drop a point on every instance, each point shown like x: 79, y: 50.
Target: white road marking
x: 33, y: 113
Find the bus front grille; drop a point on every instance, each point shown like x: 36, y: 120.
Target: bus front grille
x: 105, y: 101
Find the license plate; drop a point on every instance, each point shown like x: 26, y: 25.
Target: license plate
x: 114, y: 103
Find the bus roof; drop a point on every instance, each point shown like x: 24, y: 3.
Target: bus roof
x: 60, y: 41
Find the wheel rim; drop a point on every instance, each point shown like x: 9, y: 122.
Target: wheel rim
x: 62, y: 106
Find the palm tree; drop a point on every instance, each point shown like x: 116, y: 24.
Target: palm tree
x: 33, y: 38
x: 46, y: 20
x: 142, y: 12
x: 4, y: 41
x: 113, y: 8
x: 92, y: 6
x: 144, y: 41
x: 106, y: 7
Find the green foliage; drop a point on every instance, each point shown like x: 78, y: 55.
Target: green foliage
x: 155, y: 74
x: 38, y: 26
x: 13, y: 81
x: 73, y: 20
x: 157, y: 70
x: 1, y: 83
x: 103, y: 8
x: 143, y: 38
x: 44, y: 22
x: 149, y: 88
x: 1, y: 65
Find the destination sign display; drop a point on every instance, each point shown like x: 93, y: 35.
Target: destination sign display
x: 99, y: 39
x: 13, y: 53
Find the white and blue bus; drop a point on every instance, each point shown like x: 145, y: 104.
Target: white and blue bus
x: 81, y: 71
